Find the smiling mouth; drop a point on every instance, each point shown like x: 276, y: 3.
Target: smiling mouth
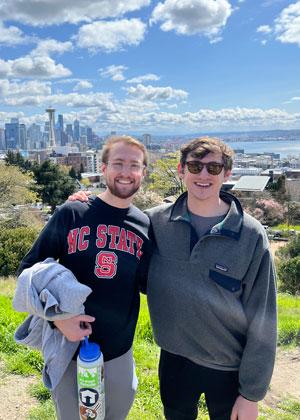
x: 202, y: 185
x: 124, y: 181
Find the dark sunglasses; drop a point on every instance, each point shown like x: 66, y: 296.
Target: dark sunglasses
x: 213, y: 168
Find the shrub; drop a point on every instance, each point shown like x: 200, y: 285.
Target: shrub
x: 289, y: 275
x: 291, y: 250
x: 14, y: 244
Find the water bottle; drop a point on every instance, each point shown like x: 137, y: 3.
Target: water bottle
x: 90, y: 380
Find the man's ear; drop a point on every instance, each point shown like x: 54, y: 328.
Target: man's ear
x: 103, y: 167
x: 180, y: 170
x: 227, y: 175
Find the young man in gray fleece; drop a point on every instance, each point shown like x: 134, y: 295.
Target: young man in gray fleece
x: 211, y: 294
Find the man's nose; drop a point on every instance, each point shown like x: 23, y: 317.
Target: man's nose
x: 126, y: 170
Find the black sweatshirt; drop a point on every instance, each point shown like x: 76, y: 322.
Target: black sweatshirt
x: 103, y: 246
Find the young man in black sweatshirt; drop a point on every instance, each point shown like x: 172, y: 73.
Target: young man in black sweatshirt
x: 102, y: 242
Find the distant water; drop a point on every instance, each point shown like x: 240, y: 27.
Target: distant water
x: 284, y: 148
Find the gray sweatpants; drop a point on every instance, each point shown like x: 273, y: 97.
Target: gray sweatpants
x: 120, y: 383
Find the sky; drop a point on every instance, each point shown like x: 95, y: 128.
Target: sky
x: 158, y: 67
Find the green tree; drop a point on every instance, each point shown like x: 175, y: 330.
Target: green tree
x: 164, y: 176
x: 14, y: 244
x: 291, y: 250
x: 53, y: 184
x: 15, y: 186
x: 289, y: 275
x: 16, y: 159
x: 72, y: 173
x: 145, y: 199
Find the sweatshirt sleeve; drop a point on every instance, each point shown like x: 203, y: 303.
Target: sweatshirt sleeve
x: 143, y: 268
x: 259, y: 301
x: 51, y: 242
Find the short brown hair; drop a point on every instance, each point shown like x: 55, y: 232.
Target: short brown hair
x: 130, y: 141
x: 202, y: 146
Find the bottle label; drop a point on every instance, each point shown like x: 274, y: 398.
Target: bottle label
x: 89, y: 377
x: 91, y: 392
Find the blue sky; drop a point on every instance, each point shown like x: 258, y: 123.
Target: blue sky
x: 136, y: 66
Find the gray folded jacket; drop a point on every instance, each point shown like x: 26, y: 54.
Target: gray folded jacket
x: 49, y: 292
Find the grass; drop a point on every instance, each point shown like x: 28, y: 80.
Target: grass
x: 147, y: 405
x: 284, y: 226
x: 289, y: 320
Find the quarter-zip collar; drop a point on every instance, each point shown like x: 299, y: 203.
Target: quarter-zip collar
x: 230, y: 226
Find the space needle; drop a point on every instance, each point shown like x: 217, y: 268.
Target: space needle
x: 51, y: 112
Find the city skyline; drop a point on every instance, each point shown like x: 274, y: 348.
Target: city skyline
x: 148, y: 66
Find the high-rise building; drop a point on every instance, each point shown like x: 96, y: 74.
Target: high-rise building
x: 89, y: 135
x: 51, y: 114
x: 2, y: 139
x: 69, y: 131
x: 76, y: 133
x: 147, y: 139
x: 12, y: 134
x: 34, y: 136
x: 23, y: 137
x: 59, y: 130
x: 60, y: 122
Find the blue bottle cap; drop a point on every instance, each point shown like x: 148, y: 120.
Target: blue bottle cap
x: 89, y: 352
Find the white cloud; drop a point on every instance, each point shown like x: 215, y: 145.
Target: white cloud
x: 11, y: 35
x: 101, y: 100
x: 111, y: 36
x: 49, y: 12
x: 144, y: 78
x: 287, y: 25
x: 264, y: 29
x: 113, y: 72
x: 48, y: 46
x: 152, y: 93
x: 37, y: 63
x: 31, y: 66
x: 190, y: 17
x: 82, y: 84
x: 33, y: 87
x: 104, y: 113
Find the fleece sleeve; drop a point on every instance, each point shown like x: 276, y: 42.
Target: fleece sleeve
x: 259, y: 301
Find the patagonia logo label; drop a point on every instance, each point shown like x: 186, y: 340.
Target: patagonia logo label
x: 221, y: 267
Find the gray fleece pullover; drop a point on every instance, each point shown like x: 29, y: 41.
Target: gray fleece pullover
x: 49, y: 292
x: 213, y: 300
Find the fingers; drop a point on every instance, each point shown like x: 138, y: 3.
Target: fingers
x: 75, y: 328
x: 80, y: 195
x: 86, y: 318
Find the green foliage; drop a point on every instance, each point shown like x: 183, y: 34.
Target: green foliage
x: 40, y: 392
x: 53, y: 184
x: 289, y: 275
x: 18, y: 359
x: 288, y: 320
x: 16, y: 159
x: 291, y: 250
x: 72, y: 173
x: 285, y: 410
x: 45, y: 411
x: 285, y: 226
x: 147, y: 403
x: 146, y: 199
x: 14, y: 244
x: 15, y: 186
x: 164, y: 176
x: 288, y: 269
